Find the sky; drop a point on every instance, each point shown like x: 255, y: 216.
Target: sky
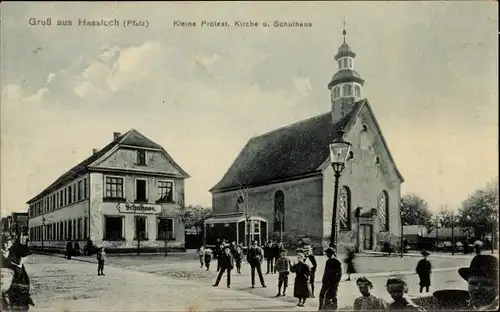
x: 430, y: 70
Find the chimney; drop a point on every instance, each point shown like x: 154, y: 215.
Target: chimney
x: 116, y: 135
x: 95, y: 150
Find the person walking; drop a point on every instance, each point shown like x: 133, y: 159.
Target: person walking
x: 349, y: 261
x: 310, y: 257
x: 201, y: 255
x: 69, y: 249
x: 330, y: 282
x: 424, y: 270
x: 268, y: 256
x: 367, y: 301
x: 101, y: 258
x: 226, y: 265
x: 238, y: 256
x: 301, y: 289
x: 255, y: 255
x: 282, y: 266
x: 208, y: 257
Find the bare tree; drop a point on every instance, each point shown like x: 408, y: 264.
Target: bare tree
x: 279, y: 214
x: 249, y: 211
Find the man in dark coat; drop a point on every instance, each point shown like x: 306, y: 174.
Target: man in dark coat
x: 310, y: 259
x: 482, y: 277
x: 254, y: 258
x: 424, y: 270
x: 330, y: 282
x: 276, y: 253
x: 268, y: 256
x: 18, y: 297
x: 69, y: 249
x: 226, y: 265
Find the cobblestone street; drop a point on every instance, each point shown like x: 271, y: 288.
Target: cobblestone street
x: 153, y: 283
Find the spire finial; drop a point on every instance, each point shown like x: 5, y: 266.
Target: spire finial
x: 344, y: 32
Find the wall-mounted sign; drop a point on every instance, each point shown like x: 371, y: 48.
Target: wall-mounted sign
x: 139, y: 208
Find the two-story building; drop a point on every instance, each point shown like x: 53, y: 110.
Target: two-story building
x: 283, y: 181
x: 125, y: 195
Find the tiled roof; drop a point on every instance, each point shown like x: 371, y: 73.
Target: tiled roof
x: 131, y: 138
x: 294, y: 150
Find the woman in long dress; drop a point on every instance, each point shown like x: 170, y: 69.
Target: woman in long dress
x: 301, y: 287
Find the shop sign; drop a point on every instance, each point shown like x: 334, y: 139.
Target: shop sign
x: 139, y: 208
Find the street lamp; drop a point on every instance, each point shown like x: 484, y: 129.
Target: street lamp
x: 452, y: 219
x: 339, y: 151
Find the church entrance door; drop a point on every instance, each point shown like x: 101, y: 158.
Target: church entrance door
x: 367, y: 235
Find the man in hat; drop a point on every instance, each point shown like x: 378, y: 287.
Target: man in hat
x: 482, y: 277
x: 310, y: 257
x: 330, y: 282
x: 254, y: 258
x: 398, y: 289
x: 424, y: 270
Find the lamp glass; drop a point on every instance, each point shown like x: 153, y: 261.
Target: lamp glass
x: 339, y: 151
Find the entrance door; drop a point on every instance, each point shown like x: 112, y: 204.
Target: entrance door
x: 367, y: 236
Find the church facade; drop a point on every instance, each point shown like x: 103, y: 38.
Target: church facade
x: 283, y: 181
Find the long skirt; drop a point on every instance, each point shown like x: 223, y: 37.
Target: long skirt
x: 301, y: 288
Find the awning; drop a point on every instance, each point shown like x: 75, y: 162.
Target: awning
x: 234, y: 219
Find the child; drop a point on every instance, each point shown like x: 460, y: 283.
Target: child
x: 101, y: 257
x: 238, y: 255
x: 301, y: 287
x: 424, y: 270
x: 367, y: 301
x: 282, y: 266
x: 208, y: 257
x: 398, y: 289
x: 201, y: 255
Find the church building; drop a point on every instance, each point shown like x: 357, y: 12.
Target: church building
x: 283, y: 182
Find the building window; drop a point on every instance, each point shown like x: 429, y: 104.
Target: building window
x: 140, y: 190
x: 74, y: 192
x: 340, y: 64
x: 113, y: 228
x: 85, y: 222
x: 68, y: 197
x: 336, y: 92
x: 61, y: 198
x: 79, y: 227
x: 347, y: 90
x: 239, y: 204
x: 70, y: 229
x: 279, y: 211
x: 140, y: 228
x: 61, y: 231
x: 75, y: 229
x: 85, y: 188
x: 79, y: 190
x: 114, y: 187
x: 345, y: 63
x: 165, y: 229
x: 54, y: 201
x: 350, y: 63
x: 345, y: 209
x: 141, y: 157
x: 383, y: 211
x: 165, y: 191
x: 357, y: 91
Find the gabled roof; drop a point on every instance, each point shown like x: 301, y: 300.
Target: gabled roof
x: 130, y: 138
x: 287, y: 152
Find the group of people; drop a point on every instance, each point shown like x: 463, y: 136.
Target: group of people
x: 15, y: 282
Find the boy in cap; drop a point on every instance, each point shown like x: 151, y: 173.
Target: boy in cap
x: 482, y: 277
x: 367, y: 301
x: 282, y: 266
x: 226, y: 262
x: 424, y: 270
x: 398, y: 289
x: 101, y: 259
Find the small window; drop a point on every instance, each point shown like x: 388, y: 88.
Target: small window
x: 140, y: 190
x: 357, y: 91
x: 85, y: 189
x: 165, y: 191
x: 141, y: 157
x: 345, y: 63
x: 140, y: 228
x: 70, y: 194
x: 113, y: 228
x: 336, y: 92
x: 364, y: 128
x: 347, y: 90
x: 377, y: 160
x: 114, y: 187
x: 340, y: 64
x: 79, y: 190
x: 165, y: 229
x: 350, y: 63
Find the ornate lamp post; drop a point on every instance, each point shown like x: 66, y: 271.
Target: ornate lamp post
x: 339, y: 151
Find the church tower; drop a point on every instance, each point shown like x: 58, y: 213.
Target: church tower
x: 346, y: 83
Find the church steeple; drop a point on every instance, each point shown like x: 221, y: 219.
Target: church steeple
x: 346, y: 83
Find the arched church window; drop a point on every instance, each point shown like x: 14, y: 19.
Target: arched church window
x: 279, y: 211
x: 345, y: 209
x: 347, y: 90
x: 357, y: 91
x: 345, y: 62
x: 336, y: 92
x: 383, y: 211
x: 239, y: 204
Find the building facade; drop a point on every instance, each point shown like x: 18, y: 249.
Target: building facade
x: 124, y: 196
x: 283, y: 179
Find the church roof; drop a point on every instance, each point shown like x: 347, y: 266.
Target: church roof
x: 344, y: 50
x: 130, y: 138
x: 345, y: 75
x: 295, y: 150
